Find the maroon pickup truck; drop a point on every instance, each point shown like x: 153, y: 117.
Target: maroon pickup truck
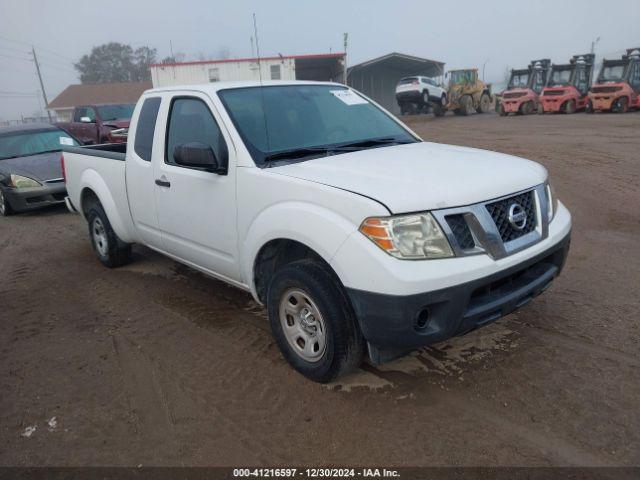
x: 95, y: 124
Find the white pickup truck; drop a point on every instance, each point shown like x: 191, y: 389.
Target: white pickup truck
x: 359, y: 237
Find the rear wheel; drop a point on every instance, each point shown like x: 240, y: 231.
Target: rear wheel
x: 485, y: 104
x: 526, y: 108
x: 5, y: 208
x: 111, y: 251
x: 466, y: 106
x: 570, y: 107
x: 621, y: 105
x: 312, y: 321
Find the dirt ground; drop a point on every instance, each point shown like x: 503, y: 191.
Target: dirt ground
x: 154, y: 364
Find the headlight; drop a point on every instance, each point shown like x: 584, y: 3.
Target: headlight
x: 552, y: 201
x: 18, y: 181
x: 416, y: 236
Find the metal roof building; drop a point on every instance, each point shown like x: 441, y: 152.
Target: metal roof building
x: 377, y: 78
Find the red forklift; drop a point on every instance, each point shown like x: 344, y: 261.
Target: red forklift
x: 525, y: 85
x: 567, y: 89
x: 618, y: 86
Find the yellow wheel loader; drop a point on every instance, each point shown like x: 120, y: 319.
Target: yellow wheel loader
x: 467, y: 94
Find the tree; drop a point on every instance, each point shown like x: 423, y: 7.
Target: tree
x: 116, y: 62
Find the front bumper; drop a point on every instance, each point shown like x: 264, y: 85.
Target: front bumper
x: 394, y: 325
x: 603, y: 102
x: 402, y: 305
x: 25, y: 199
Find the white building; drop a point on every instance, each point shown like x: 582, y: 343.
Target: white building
x: 323, y: 67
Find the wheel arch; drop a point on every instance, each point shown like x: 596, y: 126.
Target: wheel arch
x: 93, y: 186
x: 277, y: 253
x: 319, y: 233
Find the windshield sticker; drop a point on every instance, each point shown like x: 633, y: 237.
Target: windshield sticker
x: 66, y: 141
x: 349, y: 97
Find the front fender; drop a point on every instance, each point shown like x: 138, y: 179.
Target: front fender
x: 115, y: 210
x: 319, y: 228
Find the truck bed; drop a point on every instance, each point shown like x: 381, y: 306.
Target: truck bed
x: 115, y: 151
x: 100, y: 168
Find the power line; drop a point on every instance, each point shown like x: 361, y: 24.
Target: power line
x: 51, y: 52
x: 14, y: 57
x: 16, y: 93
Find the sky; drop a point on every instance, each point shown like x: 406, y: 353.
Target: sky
x: 465, y: 33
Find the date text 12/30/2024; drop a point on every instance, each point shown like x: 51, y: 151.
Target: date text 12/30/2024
x: 315, y: 473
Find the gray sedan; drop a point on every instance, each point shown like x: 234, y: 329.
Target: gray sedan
x: 30, y: 167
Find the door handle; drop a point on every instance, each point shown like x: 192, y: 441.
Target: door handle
x: 163, y: 183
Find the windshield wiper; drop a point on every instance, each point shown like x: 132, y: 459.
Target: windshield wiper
x: 370, y: 143
x: 296, y: 153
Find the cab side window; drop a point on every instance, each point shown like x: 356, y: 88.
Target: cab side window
x: 79, y: 113
x: 145, y: 128
x: 190, y: 120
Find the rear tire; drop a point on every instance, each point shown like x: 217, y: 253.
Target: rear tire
x: 5, y: 208
x: 111, y: 251
x: 466, y: 105
x: 526, y: 108
x: 313, y: 322
x: 621, y: 105
x: 570, y: 107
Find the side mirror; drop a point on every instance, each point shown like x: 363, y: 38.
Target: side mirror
x: 198, y: 155
x: 85, y: 120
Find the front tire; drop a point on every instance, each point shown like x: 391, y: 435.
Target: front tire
x: 5, y: 208
x: 313, y: 322
x: 485, y: 104
x: 111, y: 251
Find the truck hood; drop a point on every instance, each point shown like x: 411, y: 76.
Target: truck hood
x: 421, y: 176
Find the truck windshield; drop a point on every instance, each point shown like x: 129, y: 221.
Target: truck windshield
x: 303, y: 121
x: 612, y: 73
x: 22, y: 144
x: 115, y: 112
x: 519, y: 80
x: 560, y: 77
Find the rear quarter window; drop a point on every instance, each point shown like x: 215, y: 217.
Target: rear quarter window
x: 146, y: 127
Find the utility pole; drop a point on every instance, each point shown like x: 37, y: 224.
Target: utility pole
x: 44, y: 94
x: 344, y: 72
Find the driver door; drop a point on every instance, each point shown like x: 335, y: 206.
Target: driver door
x: 197, y: 208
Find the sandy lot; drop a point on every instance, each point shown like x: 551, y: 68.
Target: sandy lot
x: 155, y: 364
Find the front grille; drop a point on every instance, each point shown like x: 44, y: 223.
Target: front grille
x: 605, y: 89
x: 553, y: 92
x: 461, y: 231
x: 514, y: 95
x: 499, y: 211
